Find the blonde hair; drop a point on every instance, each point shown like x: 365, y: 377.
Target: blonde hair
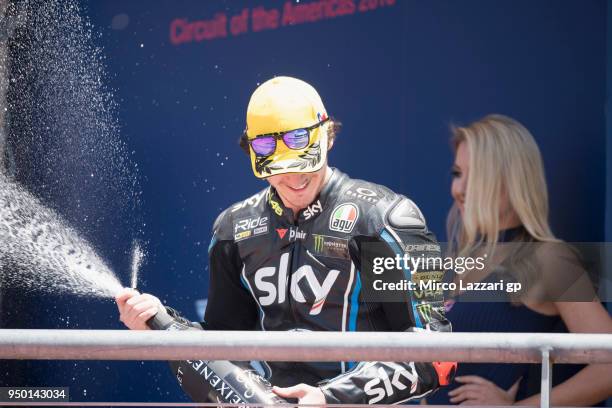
x: 504, y: 159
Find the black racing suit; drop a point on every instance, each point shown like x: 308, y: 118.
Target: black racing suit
x: 271, y: 272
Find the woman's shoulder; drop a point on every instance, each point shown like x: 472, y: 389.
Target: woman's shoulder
x: 560, y: 274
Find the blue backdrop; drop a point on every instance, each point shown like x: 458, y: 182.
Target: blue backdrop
x: 396, y: 76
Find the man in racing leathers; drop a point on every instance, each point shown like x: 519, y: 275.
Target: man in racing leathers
x: 298, y: 256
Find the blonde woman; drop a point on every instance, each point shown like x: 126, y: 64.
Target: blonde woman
x: 501, y: 209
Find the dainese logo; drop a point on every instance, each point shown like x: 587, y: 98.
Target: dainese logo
x: 294, y: 233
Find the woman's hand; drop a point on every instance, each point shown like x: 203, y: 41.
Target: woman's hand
x: 479, y: 391
x: 305, y: 394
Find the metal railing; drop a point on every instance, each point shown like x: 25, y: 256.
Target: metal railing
x: 543, y: 348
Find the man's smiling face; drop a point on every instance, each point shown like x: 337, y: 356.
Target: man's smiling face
x: 298, y: 190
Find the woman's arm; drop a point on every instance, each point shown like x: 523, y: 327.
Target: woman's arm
x: 593, y: 383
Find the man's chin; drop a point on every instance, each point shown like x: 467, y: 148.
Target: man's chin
x: 301, y: 204
x: 299, y: 201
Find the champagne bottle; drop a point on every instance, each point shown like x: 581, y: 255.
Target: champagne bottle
x: 216, y: 381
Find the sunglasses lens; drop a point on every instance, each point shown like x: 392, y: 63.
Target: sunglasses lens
x: 263, y: 146
x: 296, y: 139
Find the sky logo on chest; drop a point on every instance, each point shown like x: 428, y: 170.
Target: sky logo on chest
x: 343, y: 218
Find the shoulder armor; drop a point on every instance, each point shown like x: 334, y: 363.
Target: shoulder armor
x: 218, y: 224
x: 221, y: 228
x: 405, y: 214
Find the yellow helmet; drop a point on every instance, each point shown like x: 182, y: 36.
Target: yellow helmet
x: 277, y: 107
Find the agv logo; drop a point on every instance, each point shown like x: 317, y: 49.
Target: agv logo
x: 344, y: 217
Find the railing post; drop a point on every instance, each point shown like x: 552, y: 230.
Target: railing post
x: 546, y: 384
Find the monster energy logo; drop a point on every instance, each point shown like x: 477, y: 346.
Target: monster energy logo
x: 425, y: 311
x: 329, y: 246
x: 319, y: 240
